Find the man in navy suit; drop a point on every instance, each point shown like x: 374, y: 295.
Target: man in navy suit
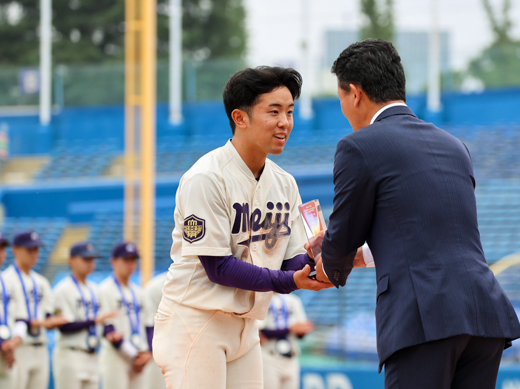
x: 407, y: 188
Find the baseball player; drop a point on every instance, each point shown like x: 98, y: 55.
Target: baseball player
x: 153, y: 294
x: 75, y: 364
x: 285, y: 322
x: 237, y: 234
x: 125, y: 350
x: 33, y: 313
x: 7, y: 343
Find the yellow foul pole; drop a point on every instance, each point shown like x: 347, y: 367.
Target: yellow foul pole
x: 140, y: 101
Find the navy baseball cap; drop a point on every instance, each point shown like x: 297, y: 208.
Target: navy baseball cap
x: 27, y: 239
x: 3, y: 240
x: 84, y: 250
x: 125, y: 250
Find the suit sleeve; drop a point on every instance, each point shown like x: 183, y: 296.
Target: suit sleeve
x: 351, y: 218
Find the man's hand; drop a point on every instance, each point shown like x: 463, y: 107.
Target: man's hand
x: 301, y: 328
x: 359, y: 261
x: 320, y: 274
x: 7, y: 350
x: 302, y: 280
x: 104, y: 317
x: 113, y: 337
x: 314, y: 245
x: 140, y: 361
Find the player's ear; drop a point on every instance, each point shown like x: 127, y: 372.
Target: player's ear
x: 241, y: 118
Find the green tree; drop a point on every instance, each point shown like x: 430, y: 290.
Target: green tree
x: 499, y: 64
x: 93, y: 30
x: 379, y: 19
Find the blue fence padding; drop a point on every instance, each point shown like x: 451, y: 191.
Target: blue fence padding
x: 207, y: 122
x: 366, y: 377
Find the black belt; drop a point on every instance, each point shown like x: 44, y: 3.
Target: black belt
x: 37, y: 344
x: 273, y: 352
x: 82, y: 350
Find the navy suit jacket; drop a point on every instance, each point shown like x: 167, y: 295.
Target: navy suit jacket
x: 407, y: 188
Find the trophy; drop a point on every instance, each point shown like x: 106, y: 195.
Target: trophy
x: 314, y: 225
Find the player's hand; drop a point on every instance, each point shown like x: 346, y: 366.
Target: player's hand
x: 140, y: 361
x: 104, y: 317
x: 301, y: 328
x: 113, y: 337
x: 7, y: 350
x: 302, y: 280
x: 263, y: 338
x: 314, y: 244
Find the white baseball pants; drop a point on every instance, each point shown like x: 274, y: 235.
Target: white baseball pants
x: 32, y: 367
x: 75, y: 369
x: 198, y: 349
x: 116, y: 371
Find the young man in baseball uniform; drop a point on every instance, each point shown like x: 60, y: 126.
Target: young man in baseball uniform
x: 75, y: 364
x: 126, y: 349
x: 284, y: 324
x: 8, y: 343
x: 33, y: 313
x: 153, y: 295
x: 237, y: 234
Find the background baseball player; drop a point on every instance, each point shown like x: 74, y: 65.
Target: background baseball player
x: 33, y: 313
x: 285, y: 322
x: 75, y: 362
x: 8, y: 343
x: 236, y: 225
x: 125, y: 350
x: 153, y: 294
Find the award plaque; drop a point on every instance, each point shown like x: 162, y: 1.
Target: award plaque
x: 313, y: 223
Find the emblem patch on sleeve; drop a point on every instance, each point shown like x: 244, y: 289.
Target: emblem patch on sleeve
x: 194, y: 228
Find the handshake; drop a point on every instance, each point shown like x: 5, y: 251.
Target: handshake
x: 363, y: 256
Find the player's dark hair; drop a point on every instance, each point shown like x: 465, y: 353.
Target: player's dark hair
x: 243, y: 89
x: 375, y: 66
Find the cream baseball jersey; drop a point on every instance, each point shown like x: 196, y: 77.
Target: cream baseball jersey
x: 222, y: 210
x: 76, y: 306
x: 34, y: 300
x: 284, y: 311
x: 7, y: 306
x: 130, y: 303
x: 153, y: 292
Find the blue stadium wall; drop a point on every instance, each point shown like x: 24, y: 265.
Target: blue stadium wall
x: 97, y: 124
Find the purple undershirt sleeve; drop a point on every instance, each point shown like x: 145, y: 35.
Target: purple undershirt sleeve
x: 275, y: 334
x: 76, y: 326
x: 298, y: 263
x: 149, y: 337
x: 232, y: 272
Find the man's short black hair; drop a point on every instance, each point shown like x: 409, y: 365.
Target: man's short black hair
x: 243, y: 89
x: 375, y: 66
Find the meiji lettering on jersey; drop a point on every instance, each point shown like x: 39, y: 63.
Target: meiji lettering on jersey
x: 275, y: 224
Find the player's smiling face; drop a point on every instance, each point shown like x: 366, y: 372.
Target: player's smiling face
x: 271, y: 121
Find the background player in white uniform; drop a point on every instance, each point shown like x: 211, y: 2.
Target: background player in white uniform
x: 237, y: 232
x: 33, y: 313
x: 285, y: 322
x: 75, y: 362
x: 8, y: 343
x: 125, y: 350
x: 153, y: 294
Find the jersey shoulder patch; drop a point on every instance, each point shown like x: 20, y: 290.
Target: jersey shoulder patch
x: 194, y: 229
